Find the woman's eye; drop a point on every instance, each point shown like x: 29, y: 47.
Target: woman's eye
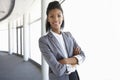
x: 51, y: 16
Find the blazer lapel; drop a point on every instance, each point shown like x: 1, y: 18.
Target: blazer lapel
x: 55, y: 42
x: 65, y: 37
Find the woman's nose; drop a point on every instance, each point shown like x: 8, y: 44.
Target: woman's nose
x: 55, y: 18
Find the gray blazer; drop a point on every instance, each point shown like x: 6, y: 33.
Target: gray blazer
x: 51, y: 50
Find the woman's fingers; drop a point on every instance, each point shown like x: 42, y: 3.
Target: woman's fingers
x: 76, y: 51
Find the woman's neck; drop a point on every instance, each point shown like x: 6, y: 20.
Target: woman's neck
x: 57, y: 31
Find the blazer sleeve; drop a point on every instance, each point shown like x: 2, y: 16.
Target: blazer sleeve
x: 82, y: 54
x: 57, y: 68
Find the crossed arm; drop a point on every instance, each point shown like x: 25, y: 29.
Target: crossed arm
x: 73, y: 60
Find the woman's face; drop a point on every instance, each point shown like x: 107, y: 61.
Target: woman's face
x: 55, y: 18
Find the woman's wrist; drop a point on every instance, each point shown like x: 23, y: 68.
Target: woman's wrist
x: 72, y: 61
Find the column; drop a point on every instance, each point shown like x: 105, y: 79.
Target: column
x: 26, y: 40
x: 14, y: 37
x: 43, y: 31
x: 10, y: 38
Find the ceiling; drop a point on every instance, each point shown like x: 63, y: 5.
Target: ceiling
x: 12, y: 9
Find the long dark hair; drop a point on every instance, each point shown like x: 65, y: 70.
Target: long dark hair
x: 53, y: 5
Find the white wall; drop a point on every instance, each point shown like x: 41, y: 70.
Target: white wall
x: 3, y: 36
x: 95, y: 24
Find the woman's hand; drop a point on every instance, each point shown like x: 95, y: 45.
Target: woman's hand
x: 76, y: 51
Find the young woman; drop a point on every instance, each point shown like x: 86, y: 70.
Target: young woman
x: 59, y: 48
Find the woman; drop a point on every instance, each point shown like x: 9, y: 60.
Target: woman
x: 60, y: 49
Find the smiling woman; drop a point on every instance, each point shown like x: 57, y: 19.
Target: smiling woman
x: 6, y: 8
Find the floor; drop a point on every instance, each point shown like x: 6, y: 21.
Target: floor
x: 13, y: 67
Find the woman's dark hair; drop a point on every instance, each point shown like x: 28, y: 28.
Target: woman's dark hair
x: 53, y: 5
